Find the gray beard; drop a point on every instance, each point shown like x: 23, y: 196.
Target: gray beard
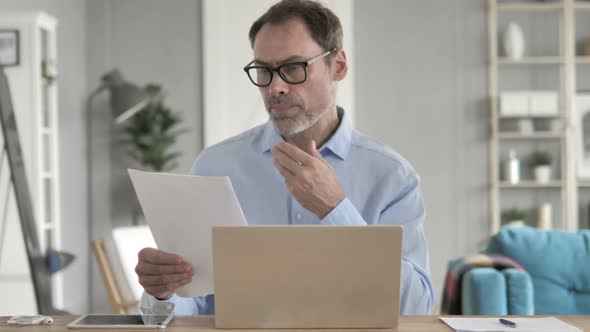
x: 289, y: 126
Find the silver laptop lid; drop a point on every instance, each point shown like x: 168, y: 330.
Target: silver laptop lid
x: 307, y: 276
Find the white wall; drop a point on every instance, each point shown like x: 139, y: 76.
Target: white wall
x: 421, y: 88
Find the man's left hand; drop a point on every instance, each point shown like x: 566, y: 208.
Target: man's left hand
x: 309, y: 178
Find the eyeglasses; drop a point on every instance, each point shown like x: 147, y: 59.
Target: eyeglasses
x: 292, y: 72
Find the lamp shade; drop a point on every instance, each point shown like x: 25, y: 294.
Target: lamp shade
x: 126, y: 98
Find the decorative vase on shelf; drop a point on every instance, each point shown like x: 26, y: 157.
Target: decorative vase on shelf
x: 513, y: 41
x: 512, y: 168
x: 543, y: 173
x: 544, y: 213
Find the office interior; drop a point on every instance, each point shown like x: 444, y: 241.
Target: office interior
x: 487, y: 100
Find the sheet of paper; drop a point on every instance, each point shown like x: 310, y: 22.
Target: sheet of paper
x: 485, y: 324
x: 181, y: 211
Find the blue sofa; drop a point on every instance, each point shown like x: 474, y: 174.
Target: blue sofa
x: 557, y: 281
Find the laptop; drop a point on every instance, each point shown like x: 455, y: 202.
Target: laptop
x: 307, y: 276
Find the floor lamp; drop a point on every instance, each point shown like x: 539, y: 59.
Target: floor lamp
x: 127, y: 99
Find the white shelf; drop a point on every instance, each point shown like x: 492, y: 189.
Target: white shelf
x: 529, y: 7
x: 584, y: 184
x: 533, y: 60
x: 38, y: 127
x: 537, y: 135
x: 512, y: 117
x: 531, y: 185
x: 582, y: 6
x: 564, y: 60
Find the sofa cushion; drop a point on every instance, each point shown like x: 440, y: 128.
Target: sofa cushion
x: 519, y: 290
x: 483, y: 292
x: 558, y: 262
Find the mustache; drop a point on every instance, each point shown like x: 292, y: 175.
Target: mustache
x: 281, y: 101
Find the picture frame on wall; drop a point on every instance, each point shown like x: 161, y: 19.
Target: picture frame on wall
x: 9, y: 48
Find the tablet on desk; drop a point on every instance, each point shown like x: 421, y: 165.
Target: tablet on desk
x: 121, y: 322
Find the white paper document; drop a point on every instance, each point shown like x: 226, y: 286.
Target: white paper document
x: 181, y: 210
x: 485, y: 324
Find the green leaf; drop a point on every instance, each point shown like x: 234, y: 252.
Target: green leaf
x: 151, y: 134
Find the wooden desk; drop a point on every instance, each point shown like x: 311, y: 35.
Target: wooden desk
x: 206, y: 323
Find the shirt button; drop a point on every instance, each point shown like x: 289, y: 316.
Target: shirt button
x: 299, y: 216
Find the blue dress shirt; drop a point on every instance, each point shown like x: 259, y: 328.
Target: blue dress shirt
x: 381, y: 187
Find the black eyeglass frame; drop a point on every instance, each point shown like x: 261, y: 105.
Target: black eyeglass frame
x: 277, y: 69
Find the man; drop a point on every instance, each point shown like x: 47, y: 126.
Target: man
x: 306, y: 165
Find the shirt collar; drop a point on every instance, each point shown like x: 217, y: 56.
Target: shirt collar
x: 338, y: 144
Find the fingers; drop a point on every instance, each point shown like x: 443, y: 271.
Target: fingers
x: 165, y: 291
x: 285, y: 172
x: 284, y: 160
x: 155, y: 256
x: 312, y: 150
x: 298, y: 155
x: 145, y: 268
x: 161, y: 273
x: 163, y: 279
x: 294, y: 152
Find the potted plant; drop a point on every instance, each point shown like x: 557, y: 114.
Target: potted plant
x: 151, y: 134
x: 514, y: 217
x: 540, y: 163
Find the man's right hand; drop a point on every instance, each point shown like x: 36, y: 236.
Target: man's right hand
x: 161, y: 273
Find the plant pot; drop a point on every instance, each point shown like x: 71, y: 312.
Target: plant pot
x: 543, y: 173
x: 514, y: 223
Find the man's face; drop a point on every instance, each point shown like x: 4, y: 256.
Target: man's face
x: 294, y: 107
